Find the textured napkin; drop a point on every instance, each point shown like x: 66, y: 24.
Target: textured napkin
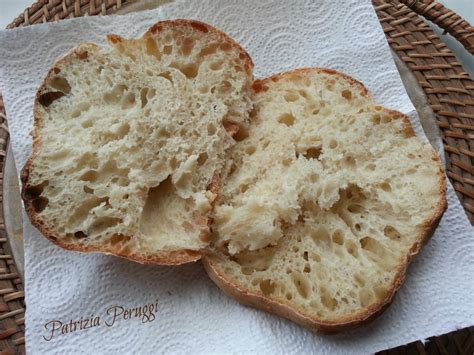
x: 90, y: 303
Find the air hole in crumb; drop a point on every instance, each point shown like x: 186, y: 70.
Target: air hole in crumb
x: 392, y: 233
x: 88, y: 190
x: 247, y: 270
x: 216, y: 65
x: 166, y: 75
x: 338, y: 237
x: 250, y: 150
x: 143, y: 98
x: 321, y: 237
x: 82, y: 55
x: 243, y: 188
x: 286, y: 162
x: 386, y: 118
x: 39, y: 204
x: 307, y: 268
x: 152, y: 49
x: 359, y: 280
x: 80, y: 235
x: 327, y: 301
x: 386, y: 186
x: 128, y: 100
x: 333, y: 144
x: 290, y: 97
x: 173, y: 163
x: 288, y: 296
x: 305, y: 255
x: 349, y: 161
x: 355, y: 208
x: 167, y: 50
x: 287, y: 119
x: 187, y: 46
x: 189, y: 70
x: 351, y: 248
x: 90, y: 176
x: 211, y: 129
x: 372, y: 245
x: 315, y: 257
x: 241, y: 134
x: 34, y: 191
x: 347, y: 94
x: 371, y: 167
x: 303, y: 93
x: 210, y: 49
x: 357, y: 227
x: 312, y: 153
x: 202, y: 159
x: 365, y: 297
x: 163, y: 132
x: 314, y: 177
x: 61, y: 84
x: 48, y: 98
x: 267, y: 287
x: 115, y: 95
x: 225, y: 87
x: 225, y: 47
x: 376, y: 119
x: 301, y: 284
x: 101, y: 224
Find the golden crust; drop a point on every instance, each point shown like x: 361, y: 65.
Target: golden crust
x: 285, y: 308
x: 203, y: 27
x: 173, y: 257
x: 261, y: 84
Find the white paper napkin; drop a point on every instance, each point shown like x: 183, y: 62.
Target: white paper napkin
x: 192, y: 314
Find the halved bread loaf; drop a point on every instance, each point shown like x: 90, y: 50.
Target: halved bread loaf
x: 129, y: 140
x: 325, y: 203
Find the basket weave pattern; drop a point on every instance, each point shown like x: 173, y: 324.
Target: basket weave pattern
x: 12, y: 304
x: 448, y: 87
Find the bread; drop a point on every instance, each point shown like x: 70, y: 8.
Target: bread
x: 128, y: 141
x: 327, y: 200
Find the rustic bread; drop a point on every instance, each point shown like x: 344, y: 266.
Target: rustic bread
x: 129, y: 140
x: 325, y: 203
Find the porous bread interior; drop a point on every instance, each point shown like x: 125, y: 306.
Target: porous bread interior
x: 131, y: 146
x: 325, y: 198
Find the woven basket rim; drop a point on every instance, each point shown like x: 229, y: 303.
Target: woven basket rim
x: 400, y: 20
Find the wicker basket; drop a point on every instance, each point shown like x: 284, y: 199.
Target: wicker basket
x: 449, y: 90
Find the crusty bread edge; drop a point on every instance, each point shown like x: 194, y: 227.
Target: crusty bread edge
x: 174, y: 257
x: 282, y: 308
x: 260, y: 85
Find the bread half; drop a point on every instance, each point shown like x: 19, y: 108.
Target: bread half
x: 327, y: 200
x: 129, y: 140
